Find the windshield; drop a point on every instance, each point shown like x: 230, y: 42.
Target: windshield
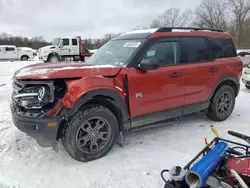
x: 56, y: 41
x: 115, y: 52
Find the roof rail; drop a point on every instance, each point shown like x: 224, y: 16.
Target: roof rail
x: 169, y: 29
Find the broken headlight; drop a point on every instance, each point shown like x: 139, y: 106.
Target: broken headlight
x: 33, y: 97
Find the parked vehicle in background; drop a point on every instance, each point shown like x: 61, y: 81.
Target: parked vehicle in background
x: 11, y: 52
x: 27, y: 49
x: 31, y: 53
x: 246, y: 76
x: 136, y: 79
x: 245, y: 56
x: 93, y: 50
x: 64, y: 49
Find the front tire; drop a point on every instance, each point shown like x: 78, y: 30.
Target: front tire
x: 90, y: 134
x: 248, y: 87
x: 222, y: 104
x: 53, y: 58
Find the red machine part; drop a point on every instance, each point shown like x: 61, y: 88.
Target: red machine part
x: 241, y: 166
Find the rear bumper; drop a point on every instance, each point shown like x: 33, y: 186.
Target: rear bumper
x: 43, y: 130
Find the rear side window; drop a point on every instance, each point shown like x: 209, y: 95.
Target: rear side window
x: 74, y: 42
x: 9, y: 49
x: 223, y: 47
x: 195, y: 49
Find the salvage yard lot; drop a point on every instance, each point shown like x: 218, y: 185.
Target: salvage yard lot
x: 138, y: 164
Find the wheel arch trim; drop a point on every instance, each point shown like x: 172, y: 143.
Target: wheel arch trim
x: 101, y: 92
x: 224, y: 79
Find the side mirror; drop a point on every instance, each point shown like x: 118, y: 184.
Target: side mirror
x: 149, y: 64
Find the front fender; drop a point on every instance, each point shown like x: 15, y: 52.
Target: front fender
x: 82, y: 90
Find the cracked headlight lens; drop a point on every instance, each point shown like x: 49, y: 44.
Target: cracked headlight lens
x: 34, y: 97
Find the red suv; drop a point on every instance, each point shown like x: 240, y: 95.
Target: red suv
x: 136, y: 79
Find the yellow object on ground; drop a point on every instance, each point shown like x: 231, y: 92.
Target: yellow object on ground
x: 214, y: 131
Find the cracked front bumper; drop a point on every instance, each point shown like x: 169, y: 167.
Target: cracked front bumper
x: 43, y: 130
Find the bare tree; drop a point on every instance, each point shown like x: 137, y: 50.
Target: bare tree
x: 172, y: 17
x: 241, y: 11
x: 245, y: 34
x: 97, y: 43
x: 212, y: 14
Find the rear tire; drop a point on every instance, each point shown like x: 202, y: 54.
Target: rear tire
x: 90, y: 134
x: 248, y: 87
x: 83, y: 58
x: 222, y: 104
x: 24, y: 58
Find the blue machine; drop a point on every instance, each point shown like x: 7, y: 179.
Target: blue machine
x: 199, y: 173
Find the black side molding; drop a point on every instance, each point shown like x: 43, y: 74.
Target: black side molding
x: 154, y: 118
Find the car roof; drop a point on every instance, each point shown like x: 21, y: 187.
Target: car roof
x: 173, y: 31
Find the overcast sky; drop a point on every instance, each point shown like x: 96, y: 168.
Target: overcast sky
x: 87, y: 18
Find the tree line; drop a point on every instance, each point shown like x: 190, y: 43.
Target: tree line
x: 232, y: 16
x: 19, y: 41
x: 38, y: 42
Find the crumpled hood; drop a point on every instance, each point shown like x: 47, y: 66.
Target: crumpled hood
x: 64, y: 70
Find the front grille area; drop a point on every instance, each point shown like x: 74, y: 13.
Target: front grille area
x: 27, y: 113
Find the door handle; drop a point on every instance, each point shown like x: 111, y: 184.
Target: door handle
x: 175, y: 75
x: 213, y: 69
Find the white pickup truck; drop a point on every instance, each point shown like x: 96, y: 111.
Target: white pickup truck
x: 63, y: 49
x: 11, y: 52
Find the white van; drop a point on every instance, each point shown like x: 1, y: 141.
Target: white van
x: 10, y: 52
